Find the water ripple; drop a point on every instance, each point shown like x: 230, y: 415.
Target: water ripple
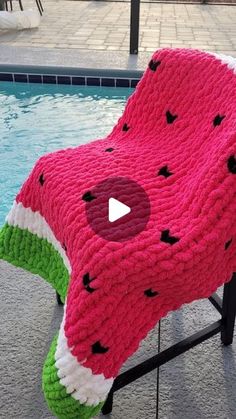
x: 36, y: 119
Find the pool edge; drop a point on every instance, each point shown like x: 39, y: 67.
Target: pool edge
x: 62, y: 63
x: 69, y: 75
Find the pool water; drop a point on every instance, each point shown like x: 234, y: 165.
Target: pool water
x: 37, y: 119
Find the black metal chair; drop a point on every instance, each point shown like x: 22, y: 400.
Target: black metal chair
x: 225, y: 326
x: 38, y: 2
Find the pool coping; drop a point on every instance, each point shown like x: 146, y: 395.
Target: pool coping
x: 69, y: 76
x: 93, y: 68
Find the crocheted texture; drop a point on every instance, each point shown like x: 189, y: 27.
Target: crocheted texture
x: 28, y: 251
x: 60, y: 402
x: 177, y: 139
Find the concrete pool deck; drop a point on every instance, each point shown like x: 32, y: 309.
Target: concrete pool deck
x: 201, y: 384
x: 96, y: 33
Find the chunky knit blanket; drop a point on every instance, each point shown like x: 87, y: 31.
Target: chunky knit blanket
x: 177, y: 140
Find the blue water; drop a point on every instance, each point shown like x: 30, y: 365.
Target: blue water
x: 36, y: 119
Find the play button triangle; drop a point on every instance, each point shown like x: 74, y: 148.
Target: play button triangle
x: 117, y: 210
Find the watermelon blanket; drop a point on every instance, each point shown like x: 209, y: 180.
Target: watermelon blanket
x: 177, y: 140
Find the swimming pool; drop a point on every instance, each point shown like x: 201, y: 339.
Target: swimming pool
x: 37, y: 119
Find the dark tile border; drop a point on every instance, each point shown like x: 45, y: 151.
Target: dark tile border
x: 122, y: 83
x: 34, y: 78
x: 93, y: 81
x: 78, y: 80
x: 20, y: 78
x: 49, y: 79
x: 106, y: 82
x: 63, y: 80
x: 6, y: 77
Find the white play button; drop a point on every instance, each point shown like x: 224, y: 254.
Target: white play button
x: 116, y: 210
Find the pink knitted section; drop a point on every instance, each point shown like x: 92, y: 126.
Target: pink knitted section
x: 177, y: 139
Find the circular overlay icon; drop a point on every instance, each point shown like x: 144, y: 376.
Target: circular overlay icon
x: 117, y: 209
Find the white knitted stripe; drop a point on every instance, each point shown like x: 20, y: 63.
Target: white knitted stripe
x: 26, y: 219
x: 227, y: 59
x: 80, y: 382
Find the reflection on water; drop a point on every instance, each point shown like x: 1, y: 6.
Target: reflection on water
x: 37, y: 119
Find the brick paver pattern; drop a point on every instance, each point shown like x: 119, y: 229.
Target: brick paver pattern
x: 98, y: 25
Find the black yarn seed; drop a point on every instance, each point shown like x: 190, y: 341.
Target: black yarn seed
x: 41, y: 179
x: 109, y: 150
x: 87, y: 279
x: 88, y: 197
x: 167, y: 238
x: 227, y: 244
x: 232, y: 164
x: 150, y: 293
x: 164, y: 172
x: 97, y: 348
x: 125, y: 127
x: 218, y: 119
x: 64, y: 246
x: 90, y: 289
x: 86, y: 282
x: 153, y: 65
x: 170, y: 117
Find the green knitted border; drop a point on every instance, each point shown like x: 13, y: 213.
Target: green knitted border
x: 60, y: 403
x: 26, y: 250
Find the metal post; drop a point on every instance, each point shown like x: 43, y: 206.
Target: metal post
x: 134, y: 26
x: 229, y: 311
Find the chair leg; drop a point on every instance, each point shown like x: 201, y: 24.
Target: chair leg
x: 107, y: 407
x: 6, y: 6
x: 11, y: 5
x: 39, y: 8
x: 21, y: 5
x: 40, y: 4
x: 229, y: 311
x: 59, y: 302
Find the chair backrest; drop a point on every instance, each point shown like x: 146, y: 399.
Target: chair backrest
x: 183, y: 94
